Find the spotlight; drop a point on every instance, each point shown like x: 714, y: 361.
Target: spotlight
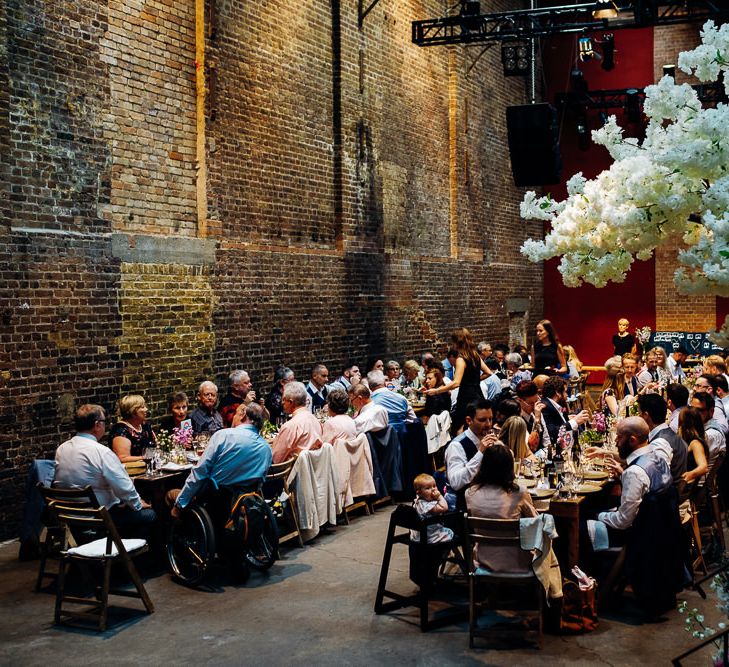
x: 515, y: 59
x: 604, y: 9
x: 585, y: 49
x: 632, y: 105
x: 608, y: 52
x: 670, y: 70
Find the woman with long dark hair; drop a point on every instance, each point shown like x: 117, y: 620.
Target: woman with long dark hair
x: 547, y: 353
x: 691, y: 429
x: 466, y: 378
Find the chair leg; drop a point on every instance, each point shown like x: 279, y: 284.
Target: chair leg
x: 699, y: 561
x: 138, y: 584
x: 716, y: 510
x: 105, y: 595
x: 42, y: 566
x: 59, y: 590
x: 384, y: 570
x: 471, y: 610
x: 294, y: 510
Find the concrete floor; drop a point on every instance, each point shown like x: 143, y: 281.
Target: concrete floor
x: 313, y: 607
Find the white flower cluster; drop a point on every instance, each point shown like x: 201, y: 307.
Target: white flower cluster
x: 674, y: 182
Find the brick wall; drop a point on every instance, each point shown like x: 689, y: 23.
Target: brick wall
x: 359, y: 202
x: 673, y: 311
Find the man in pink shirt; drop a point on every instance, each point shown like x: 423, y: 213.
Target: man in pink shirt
x: 302, y: 431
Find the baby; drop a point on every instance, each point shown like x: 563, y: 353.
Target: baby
x: 429, y: 501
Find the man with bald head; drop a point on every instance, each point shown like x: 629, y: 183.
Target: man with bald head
x: 205, y: 418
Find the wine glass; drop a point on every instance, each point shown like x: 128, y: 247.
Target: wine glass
x: 148, y: 457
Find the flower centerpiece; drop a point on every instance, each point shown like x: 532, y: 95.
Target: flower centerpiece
x: 674, y: 184
x: 595, y: 435
x: 643, y: 335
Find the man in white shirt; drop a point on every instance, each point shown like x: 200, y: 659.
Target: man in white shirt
x: 83, y: 461
x: 527, y: 395
x: 463, y: 455
x: 677, y: 398
x: 653, y: 410
x: 715, y: 439
x: 368, y: 415
x: 674, y: 361
x: 707, y: 384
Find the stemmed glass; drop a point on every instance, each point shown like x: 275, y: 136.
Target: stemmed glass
x: 148, y: 457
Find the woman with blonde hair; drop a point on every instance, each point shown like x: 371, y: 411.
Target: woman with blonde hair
x: 466, y: 378
x: 514, y: 436
x: 132, y: 434
x: 613, y: 389
x: 574, y: 365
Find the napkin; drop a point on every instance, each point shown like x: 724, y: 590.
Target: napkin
x: 175, y: 467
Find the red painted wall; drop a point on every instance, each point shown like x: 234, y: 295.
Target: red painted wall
x: 586, y: 317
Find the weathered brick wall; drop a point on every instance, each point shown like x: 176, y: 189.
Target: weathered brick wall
x: 673, y: 311
x: 359, y: 201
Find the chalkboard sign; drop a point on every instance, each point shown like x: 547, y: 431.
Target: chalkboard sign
x: 696, y: 344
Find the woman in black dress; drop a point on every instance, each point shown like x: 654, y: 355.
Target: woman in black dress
x: 132, y: 434
x: 547, y: 353
x: 466, y: 378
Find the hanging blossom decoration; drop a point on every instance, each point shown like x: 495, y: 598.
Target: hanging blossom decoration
x: 673, y: 183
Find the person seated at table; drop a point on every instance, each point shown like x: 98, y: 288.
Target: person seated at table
x: 675, y: 360
x: 494, y: 495
x: 351, y: 374
x: 491, y: 386
x: 318, y: 388
x: 514, y: 370
x: 302, y: 430
x: 240, y: 390
x: 436, y: 403
x: 411, y: 381
x: 235, y: 458
x: 691, y: 430
x: 399, y: 411
x: 714, y: 364
x: 554, y: 397
x: 177, y: 405
x: 393, y: 379
x: 368, y: 416
x: 715, y: 439
x: 506, y: 406
x: 707, y: 384
x: 657, y: 369
x: 630, y: 368
x: 613, y: 388
x: 132, y: 434
x: 649, y: 372
x: 83, y: 461
x: 281, y: 377
x: 339, y: 426
x: 205, y: 418
x: 513, y: 435
x: 464, y: 453
x: 677, y: 396
x: 449, y: 364
x: 574, y: 365
x: 653, y: 410
x: 527, y: 396
x: 429, y: 501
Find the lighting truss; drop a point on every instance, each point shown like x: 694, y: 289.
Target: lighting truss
x: 531, y: 23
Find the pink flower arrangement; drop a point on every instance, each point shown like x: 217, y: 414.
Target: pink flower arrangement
x: 598, y: 422
x: 182, y: 437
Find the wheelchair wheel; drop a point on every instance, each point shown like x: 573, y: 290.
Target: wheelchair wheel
x: 191, y: 546
x: 262, y: 551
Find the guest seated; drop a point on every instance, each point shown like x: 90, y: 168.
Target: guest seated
x: 613, y: 388
x: 691, y: 430
x: 464, y: 453
x: 491, y: 386
x: 449, y: 364
x: 235, y: 458
x: 704, y: 403
x: 393, y: 381
x: 339, y: 426
x: 707, y: 384
x: 653, y: 410
x: 240, y: 391
x: 574, y: 365
x: 494, y: 495
x: 435, y: 403
x: 513, y: 436
x: 554, y: 397
x: 656, y: 369
x: 302, y: 431
x: 531, y: 407
x: 317, y: 387
x: 281, y: 377
x: 514, y: 363
x: 399, y: 411
x: 132, y: 434
x: 83, y: 461
x: 506, y: 407
x: 178, y: 406
x: 350, y: 375
x: 411, y: 381
x: 677, y: 398
x: 205, y: 418
x: 368, y: 416
x: 429, y: 501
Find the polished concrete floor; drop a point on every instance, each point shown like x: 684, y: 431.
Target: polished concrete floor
x: 313, y: 607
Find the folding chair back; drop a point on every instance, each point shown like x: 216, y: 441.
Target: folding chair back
x: 279, y: 473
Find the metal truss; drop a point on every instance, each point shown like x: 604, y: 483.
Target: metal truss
x: 466, y: 28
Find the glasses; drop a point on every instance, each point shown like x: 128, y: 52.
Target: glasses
x: 101, y: 421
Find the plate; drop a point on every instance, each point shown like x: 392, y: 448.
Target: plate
x: 595, y: 474
x: 526, y: 483
x: 542, y: 493
x: 588, y: 488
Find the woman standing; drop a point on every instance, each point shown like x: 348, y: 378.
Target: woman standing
x: 466, y: 378
x: 547, y: 352
x: 132, y: 434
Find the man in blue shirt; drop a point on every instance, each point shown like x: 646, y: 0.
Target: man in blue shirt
x: 235, y: 457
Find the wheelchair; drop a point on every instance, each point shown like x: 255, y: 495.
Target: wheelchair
x: 200, y: 535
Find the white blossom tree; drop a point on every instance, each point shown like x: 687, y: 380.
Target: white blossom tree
x: 674, y: 182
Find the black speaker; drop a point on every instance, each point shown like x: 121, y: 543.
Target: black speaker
x: 533, y: 132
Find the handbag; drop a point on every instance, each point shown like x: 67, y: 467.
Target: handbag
x: 579, y: 609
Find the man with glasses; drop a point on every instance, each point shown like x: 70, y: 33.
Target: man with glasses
x: 706, y: 384
x: 715, y: 440
x: 83, y: 461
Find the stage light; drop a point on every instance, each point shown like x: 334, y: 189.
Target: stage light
x: 584, y: 46
x: 670, y: 70
x: 515, y: 58
x: 604, y: 9
x: 632, y: 105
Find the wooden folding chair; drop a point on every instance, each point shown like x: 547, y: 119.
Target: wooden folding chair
x: 78, y: 512
x: 279, y: 472
x: 498, y: 533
